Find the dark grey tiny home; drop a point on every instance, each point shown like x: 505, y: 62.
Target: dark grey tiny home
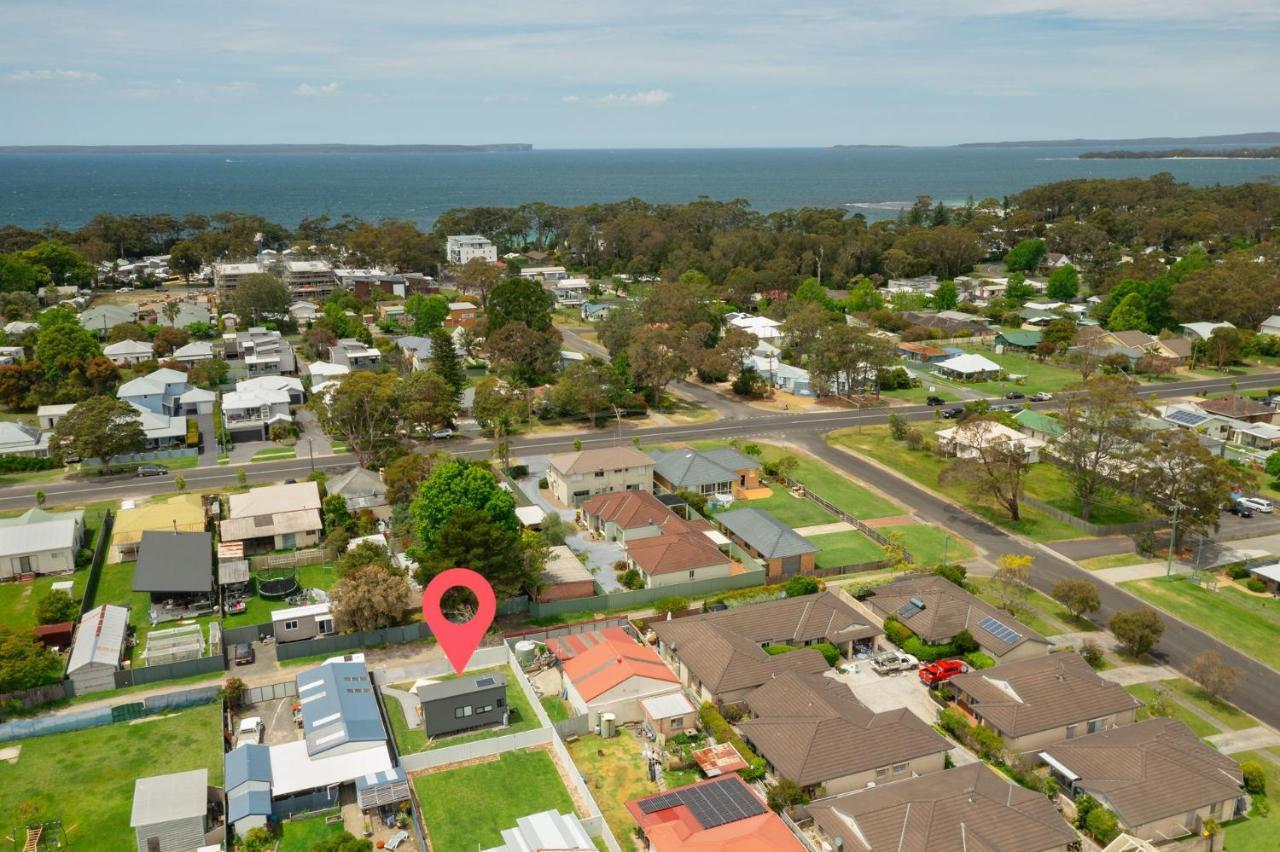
x: 471, y: 701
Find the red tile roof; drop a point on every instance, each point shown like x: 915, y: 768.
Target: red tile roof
x: 613, y: 659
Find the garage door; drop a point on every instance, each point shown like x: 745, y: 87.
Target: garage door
x: 790, y: 565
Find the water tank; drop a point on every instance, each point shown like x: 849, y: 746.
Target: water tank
x: 608, y: 725
x: 525, y: 651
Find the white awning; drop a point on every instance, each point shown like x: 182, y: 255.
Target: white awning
x: 1062, y: 770
x: 718, y: 538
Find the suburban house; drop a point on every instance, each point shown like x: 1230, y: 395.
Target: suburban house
x: 416, y: 351
x: 354, y: 355
x: 544, y: 273
x: 15, y: 329
x: 343, y: 743
x: 546, y: 830
x: 1037, y: 702
x: 303, y: 311
x: 969, y: 807
x: 573, y: 477
x: 1270, y: 325
x: 171, y: 813
x: 781, y: 376
x: 462, y: 704
x: 571, y: 292
x: 460, y: 248
x: 40, y: 542
x: 361, y: 488
x: 684, y: 551
x: 720, y: 656
x: 101, y: 318
x: 596, y: 311
x: 19, y: 439
x: 180, y: 513
x: 935, y: 609
x: 1021, y: 340
x: 969, y: 367
x: 302, y: 622
x: 124, y: 353
x: 1038, y: 425
x: 176, y: 570
x: 565, y: 577
x: 263, y: 352
x: 288, y: 384
x: 99, y: 646
x: 248, y: 415
x: 724, y: 473
x: 157, y: 392
x: 613, y: 673
x: 462, y: 315
x: 164, y: 430
x: 971, y: 439
x: 763, y: 328
x: 275, y: 517
x: 1190, y: 417
x: 921, y: 353
x: 717, y: 814
x: 811, y: 729
x: 1236, y: 407
x: 782, y: 550
x: 194, y: 352
x: 624, y: 516
x: 1159, y: 778
x: 1269, y: 574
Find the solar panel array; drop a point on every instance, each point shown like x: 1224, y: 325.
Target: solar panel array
x: 1000, y: 630
x: 910, y: 608
x: 1186, y: 418
x: 485, y: 681
x: 713, y: 804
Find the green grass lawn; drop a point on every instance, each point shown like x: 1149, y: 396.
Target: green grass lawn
x: 1034, y: 612
x: 32, y: 477
x: 919, y: 395
x: 1051, y: 484
x: 1113, y: 560
x: 258, y: 609
x: 18, y: 600
x: 105, y: 762
x: 926, y: 469
x: 557, y: 709
x: 1258, y: 831
x: 927, y: 543
x: 274, y: 454
x: 521, y: 718
x: 845, y: 548
x: 1251, y: 624
x: 614, y: 771
x: 1146, y: 693
x: 299, y: 835
x: 469, y: 807
x: 1229, y: 716
x: 1045, y: 376
x: 793, y: 511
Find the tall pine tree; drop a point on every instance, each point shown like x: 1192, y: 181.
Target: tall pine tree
x: 445, y: 362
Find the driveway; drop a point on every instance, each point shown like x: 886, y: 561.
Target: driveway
x: 1250, y: 739
x: 601, y: 555
x: 242, y: 451
x: 208, y: 440
x: 1129, y: 675
x: 309, y: 426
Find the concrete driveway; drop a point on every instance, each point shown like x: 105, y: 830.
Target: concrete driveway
x: 601, y: 555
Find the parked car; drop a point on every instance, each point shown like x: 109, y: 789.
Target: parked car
x: 441, y: 434
x: 934, y: 400
x: 250, y: 731
x: 887, y: 662
x: 243, y: 654
x: 952, y: 413
x: 1040, y: 396
x: 1257, y: 504
x: 941, y: 670
x: 1015, y: 395
x: 1240, y: 510
x: 124, y: 289
x: 152, y: 470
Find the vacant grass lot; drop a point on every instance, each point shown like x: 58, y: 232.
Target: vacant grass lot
x: 1051, y: 484
x: 1251, y: 624
x: 926, y: 468
x: 468, y: 807
x: 104, y: 763
x: 929, y: 544
x: 521, y: 718
x: 845, y: 548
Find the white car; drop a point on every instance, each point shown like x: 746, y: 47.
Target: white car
x: 1042, y: 396
x: 124, y: 289
x: 1257, y: 504
x: 250, y: 731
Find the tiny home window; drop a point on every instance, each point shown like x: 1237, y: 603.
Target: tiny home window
x: 291, y: 625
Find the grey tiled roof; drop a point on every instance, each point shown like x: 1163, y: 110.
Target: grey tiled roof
x: 765, y: 533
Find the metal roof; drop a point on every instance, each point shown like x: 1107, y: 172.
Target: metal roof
x: 464, y: 685
x: 338, y: 706
x: 100, y: 638
x: 248, y: 803
x: 174, y: 562
x: 162, y: 798
x: 36, y: 531
x: 245, y: 763
x: 765, y: 533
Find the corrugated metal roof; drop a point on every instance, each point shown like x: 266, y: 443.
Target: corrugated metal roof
x: 100, y: 638
x: 36, y: 531
x: 161, y: 798
x: 174, y: 562
x: 338, y: 707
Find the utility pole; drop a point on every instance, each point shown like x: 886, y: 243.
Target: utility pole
x: 1173, y: 536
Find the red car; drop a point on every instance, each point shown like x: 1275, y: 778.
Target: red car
x: 935, y: 673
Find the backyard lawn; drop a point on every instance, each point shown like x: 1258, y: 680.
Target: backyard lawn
x: 793, y: 511
x: 521, y: 717
x: 299, y: 835
x: 927, y: 544
x: 845, y: 548
x: 1146, y: 693
x: 1254, y: 622
x: 258, y: 609
x: 926, y: 469
x: 557, y: 709
x: 468, y: 807
x: 105, y: 762
x: 615, y: 772
x: 18, y: 600
x: 1258, y: 831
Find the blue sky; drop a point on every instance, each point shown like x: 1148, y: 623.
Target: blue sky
x: 659, y: 73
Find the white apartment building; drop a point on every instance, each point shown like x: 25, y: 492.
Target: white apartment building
x: 465, y: 247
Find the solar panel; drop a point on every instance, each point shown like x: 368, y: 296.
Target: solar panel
x: 1186, y: 418
x: 485, y: 681
x: 712, y: 805
x: 1000, y: 630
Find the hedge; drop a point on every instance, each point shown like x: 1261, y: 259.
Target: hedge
x: 830, y: 652
x: 724, y: 733
x: 22, y: 464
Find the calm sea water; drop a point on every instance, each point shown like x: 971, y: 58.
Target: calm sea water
x: 68, y: 189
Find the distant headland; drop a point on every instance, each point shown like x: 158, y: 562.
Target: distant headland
x: 1271, y: 153
x: 318, y: 148
x: 1264, y: 138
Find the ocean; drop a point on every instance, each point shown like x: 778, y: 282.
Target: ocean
x: 68, y: 189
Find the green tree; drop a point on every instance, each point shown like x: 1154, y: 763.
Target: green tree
x: 518, y: 300
x: 258, y: 297
x: 1101, y: 421
x: 1078, y: 596
x: 428, y: 312
x: 406, y: 473
x: 1060, y: 333
x: 345, y: 842
x: 1174, y: 467
x: 480, y: 277
x: 364, y: 411
x: 56, y: 607
x: 25, y: 664
x: 65, y: 265
x: 169, y: 339
x: 336, y: 515
x: 100, y: 428
x: 1138, y: 630
x: 656, y: 359
x: 185, y: 259
x: 445, y: 363
x: 62, y: 341
x: 460, y: 484
x: 784, y: 793
x: 1025, y: 256
x: 1215, y: 677
x: 1018, y: 290
x: 995, y: 469
x: 945, y: 298
x: 1129, y: 315
x: 127, y: 331
x: 1064, y: 284
x: 18, y: 274
x: 369, y: 598
x: 863, y: 297
x: 799, y: 585
x: 474, y: 538
x: 427, y: 402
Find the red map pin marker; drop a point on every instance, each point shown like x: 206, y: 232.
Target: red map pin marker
x: 458, y: 640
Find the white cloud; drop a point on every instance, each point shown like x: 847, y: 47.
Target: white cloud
x: 59, y: 75
x: 307, y: 90
x: 570, y: 99
x: 651, y: 98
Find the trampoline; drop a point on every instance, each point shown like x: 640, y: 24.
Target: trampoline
x: 279, y: 587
